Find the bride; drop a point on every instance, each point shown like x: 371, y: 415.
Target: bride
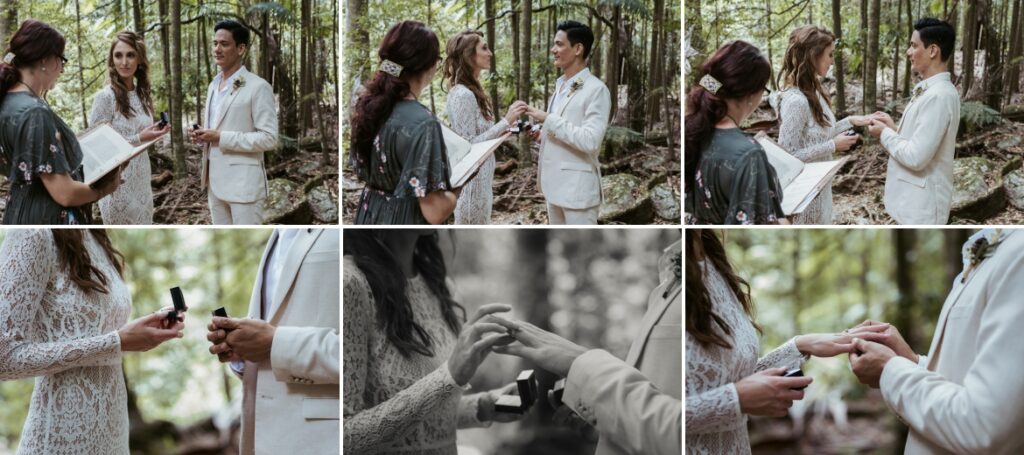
x: 408, y: 355
x: 64, y: 310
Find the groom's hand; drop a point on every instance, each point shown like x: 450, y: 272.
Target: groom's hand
x: 548, y: 350
x: 208, y: 136
x: 875, y: 128
x: 248, y: 339
x: 538, y: 115
x: 894, y: 339
x: 869, y: 361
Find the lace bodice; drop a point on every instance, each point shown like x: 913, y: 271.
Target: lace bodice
x: 132, y: 203
x: 810, y: 142
x: 714, y: 423
x: 52, y: 330
x: 396, y: 404
x: 474, y: 205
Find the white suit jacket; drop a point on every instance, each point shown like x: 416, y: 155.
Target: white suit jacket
x: 247, y: 121
x: 919, y: 176
x: 967, y: 396
x: 290, y: 403
x: 569, y: 173
x: 636, y: 406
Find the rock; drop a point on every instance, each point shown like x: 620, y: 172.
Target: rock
x: 625, y: 200
x: 666, y: 202
x: 1008, y: 143
x: 1014, y: 184
x: 977, y: 189
x: 286, y: 204
x: 618, y: 141
x: 323, y: 205
x: 309, y: 167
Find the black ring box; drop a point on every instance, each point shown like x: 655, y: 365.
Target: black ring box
x: 519, y: 404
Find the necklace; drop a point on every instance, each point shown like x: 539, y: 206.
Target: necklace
x: 733, y: 120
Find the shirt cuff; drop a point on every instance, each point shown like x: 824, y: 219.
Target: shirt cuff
x: 886, y: 137
x: 237, y: 366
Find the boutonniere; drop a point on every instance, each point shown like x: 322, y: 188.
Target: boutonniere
x: 979, y: 250
x: 239, y: 83
x: 918, y: 91
x: 576, y: 85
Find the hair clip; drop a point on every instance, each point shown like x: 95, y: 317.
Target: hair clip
x: 9, y: 58
x: 391, y: 68
x: 710, y: 84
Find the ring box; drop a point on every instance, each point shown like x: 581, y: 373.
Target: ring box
x: 558, y: 391
x: 179, y: 305
x: 526, y: 383
x: 795, y: 373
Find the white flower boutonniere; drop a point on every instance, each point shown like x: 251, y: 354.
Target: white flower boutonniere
x: 983, y: 247
x: 576, y: 85
x: 917, y: 92
x: 239, y: 83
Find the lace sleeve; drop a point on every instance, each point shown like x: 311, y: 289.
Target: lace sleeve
x: 27, y: 265
x: 104, y: 107
x: 785, y: 356
x: 368, y: 429
x: 711, y: 406
x: 796, y: 120
x: 464, y: 113
x: 842, y: 125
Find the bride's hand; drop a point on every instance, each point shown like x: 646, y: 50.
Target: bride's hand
x: 148, y: 332
x: 475, y: 341
x: 549, y: 351
x: 487, y: 413
x: 517, y: 109
x: 833, y: 344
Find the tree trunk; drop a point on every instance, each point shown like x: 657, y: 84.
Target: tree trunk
x: 656, y: 59
x: 531, y: 266
x: 896, y: 53
x: 905, y: 307
x: 771, y: 56
x: 139, y: 17
x: 953, y: 19
x: 493, y: 83
x: 177, y: 140
x: 970, y: 41
x: 864, y: 10
x: 525, y: 154
x: 1013, y: 61
x: 871, y: 63
x: 837, y: 29
x: 8, y: 21
x: 907, y: 75
x: 306, y: 69
x: 993, y: 82
x: 612, y: 62
x: 81, y: 64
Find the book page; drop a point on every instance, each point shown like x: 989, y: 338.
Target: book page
x: 787, y: 166
x: 465, y: 158
x: 104, y: 149
x: 806, y: 186
x: 458, y: 147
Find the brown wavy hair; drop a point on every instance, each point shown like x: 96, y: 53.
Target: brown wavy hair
x: 74, y: 258
x: 707, y: 327
x: 742, y: 70
x: 806, y: 45
x: 458, y: 67
x: 34, y: 41
x: 142, y: 86
x: 410, y: 44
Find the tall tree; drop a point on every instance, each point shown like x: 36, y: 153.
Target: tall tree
x: 177, y: 139
x: 81, y: 63
x: 970, y: 42
x: 8, y: 21
x: 493, y: 82
x: 871, y: 60
x: 139, y: 17
x: 837, y: 29
x: 1013, y: 60
x: 993, y: 81
x: 902, y: 55
x: 525, y: 153
x: 907, y: 304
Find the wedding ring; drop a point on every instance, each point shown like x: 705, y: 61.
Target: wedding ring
x: 513, y: 331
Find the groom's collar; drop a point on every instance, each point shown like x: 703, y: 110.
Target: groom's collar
x: 582, y: 75
x: 925, y: 84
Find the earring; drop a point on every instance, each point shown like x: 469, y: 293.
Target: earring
x: 42, y: 68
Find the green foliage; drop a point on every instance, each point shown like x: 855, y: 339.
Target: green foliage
x: 975, y: 115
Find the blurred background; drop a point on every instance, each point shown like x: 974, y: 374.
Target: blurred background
x: 816, y: 280
x: 587, y: 285
x: 181, y: 400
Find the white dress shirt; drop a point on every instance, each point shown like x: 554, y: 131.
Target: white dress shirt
x: 219, y: 93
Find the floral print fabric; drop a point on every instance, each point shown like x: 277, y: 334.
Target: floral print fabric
x: 735, y: 183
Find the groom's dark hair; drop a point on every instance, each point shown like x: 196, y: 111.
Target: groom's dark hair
x: 578, y: 34
x: 238, y: 31
x: 939, y: 33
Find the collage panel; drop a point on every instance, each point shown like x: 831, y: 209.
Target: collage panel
x: 169, y: 341
x: 172, y: 112
x: 854, y: 113
x: 512, y: 341
x: 540, y: 113
x: 854, y: 341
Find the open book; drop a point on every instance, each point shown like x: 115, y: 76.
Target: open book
x: 801, y: 182
x: 465, y: 158
x: 104, y: 150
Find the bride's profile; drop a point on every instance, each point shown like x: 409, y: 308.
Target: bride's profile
x: 408, y: 355
x: 64, y: 309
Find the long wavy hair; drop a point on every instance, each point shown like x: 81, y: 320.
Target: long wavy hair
x: 415, y: 47
x: 706, y: 326
x: 74, y: 258
x: 388, y: 286
x: 799, y: 66
x: 743, y: 71
x: 33, y: 42
x: 143, y: 89
x: 460, y: 53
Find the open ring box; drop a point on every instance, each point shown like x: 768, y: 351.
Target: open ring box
x: 519, y: 404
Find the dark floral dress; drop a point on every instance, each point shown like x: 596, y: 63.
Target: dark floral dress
x: 735, y: 183
x: 34, y: 141
x: 408, y: 161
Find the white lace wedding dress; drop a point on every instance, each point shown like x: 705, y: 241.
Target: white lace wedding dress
x: 392, y: 403
x: 810, y: 142
x: 714, y: 423
x: 67, y: 339
x: 132, y: 203
x: 474, y: 205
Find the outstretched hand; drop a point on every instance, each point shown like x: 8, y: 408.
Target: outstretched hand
x: 149, y: 331
x: 549, y: 351
x: 833, y: 344
x: 894, y: 340
x: 869, y: 361
x: 538, y: 115
x: 482, y: 332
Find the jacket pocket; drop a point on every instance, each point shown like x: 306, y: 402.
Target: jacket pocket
x: 913, y: 180
x: 320, y: 408
x: 570, y: 166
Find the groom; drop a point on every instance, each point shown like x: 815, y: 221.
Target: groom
x: 287, y: 350
x: 241, y: 125
x: 919, y: 178
x: 569, y: 174
x: 967, y: 394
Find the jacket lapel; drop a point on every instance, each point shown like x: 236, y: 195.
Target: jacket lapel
x: 225, y: 104
x: 656, y: 308
x: 296, y: 254
x: 256, y: 302
x: 571, y: 94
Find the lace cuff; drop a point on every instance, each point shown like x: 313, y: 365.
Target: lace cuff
x: 135, y: 140
x: 842, y: 125
x: 714, y: 410
x: 785, y: 356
